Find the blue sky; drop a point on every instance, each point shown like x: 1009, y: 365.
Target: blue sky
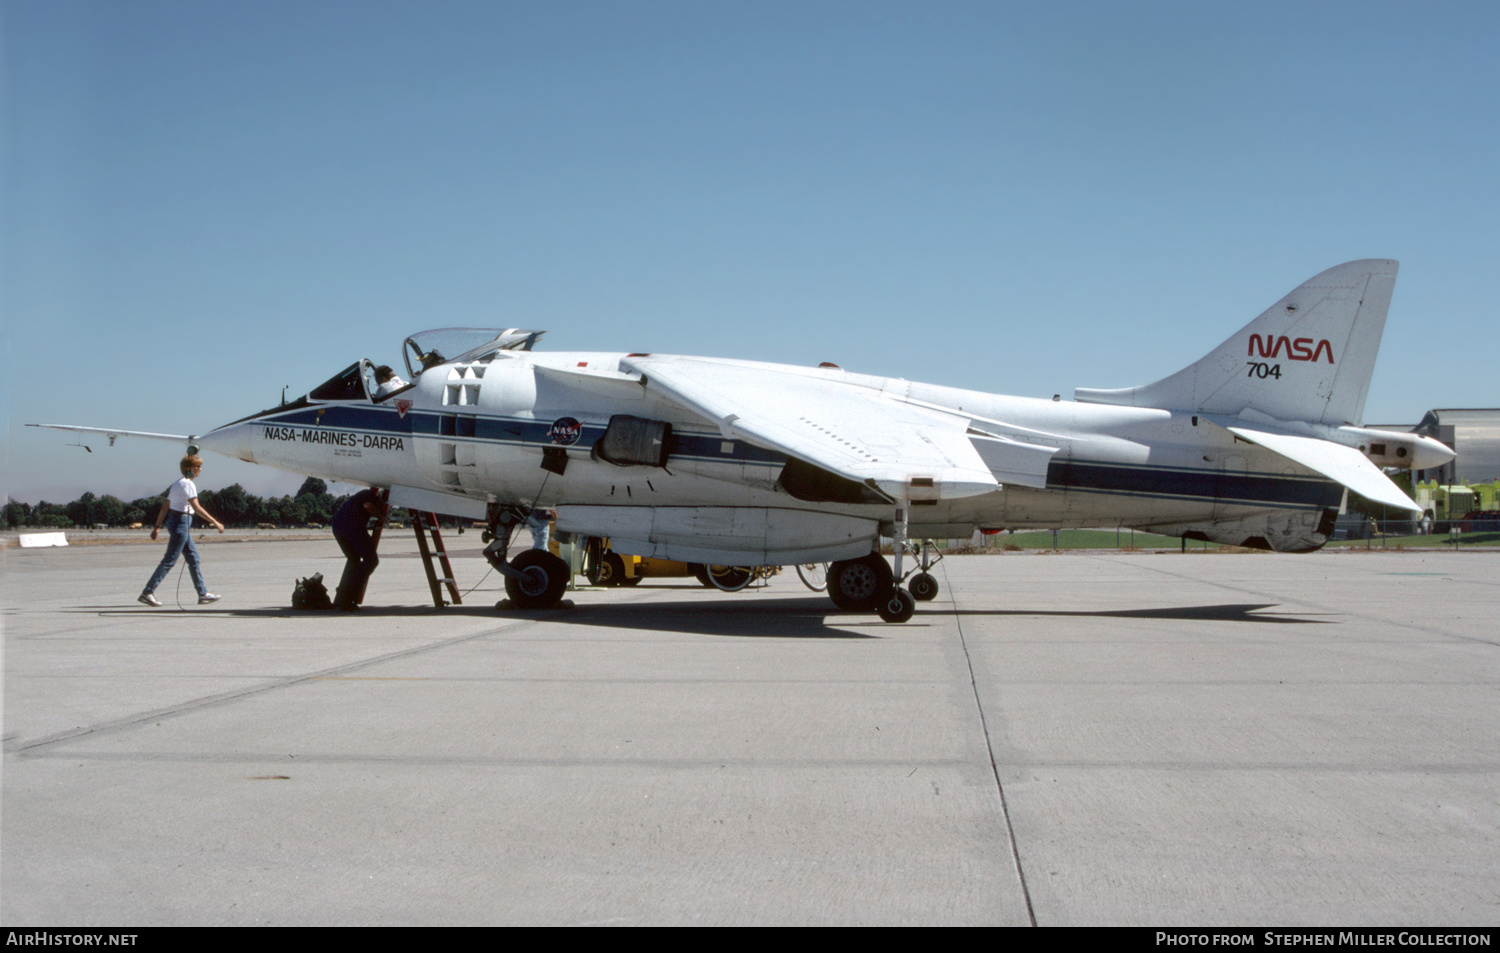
x: 203, y: 202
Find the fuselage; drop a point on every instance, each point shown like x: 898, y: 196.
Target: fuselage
x: 482, y: 431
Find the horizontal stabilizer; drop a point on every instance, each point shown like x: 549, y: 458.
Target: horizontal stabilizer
x: 112, y: 434
x: 1343, y: 464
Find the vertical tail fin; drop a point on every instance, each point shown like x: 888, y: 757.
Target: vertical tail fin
x: 1308, y: 357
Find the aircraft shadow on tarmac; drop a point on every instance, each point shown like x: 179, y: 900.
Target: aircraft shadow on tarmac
x: 764, y: 617
x: 813, y: 617
x: 780, y: 618
x: 784, y: 618
x: 1237, y: 612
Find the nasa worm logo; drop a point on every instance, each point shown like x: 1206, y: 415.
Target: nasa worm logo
x: 565, y: 431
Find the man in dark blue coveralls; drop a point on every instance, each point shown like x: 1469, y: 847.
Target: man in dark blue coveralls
x: 351, y: 528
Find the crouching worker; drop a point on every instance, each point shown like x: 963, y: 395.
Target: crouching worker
x: 351, y: 527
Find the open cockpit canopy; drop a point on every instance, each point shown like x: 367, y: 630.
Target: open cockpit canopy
x: 446, y: 345
x: 421, y: 351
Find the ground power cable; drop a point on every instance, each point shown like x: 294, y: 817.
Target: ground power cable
x: 984, y: 726
x: 178, y: 594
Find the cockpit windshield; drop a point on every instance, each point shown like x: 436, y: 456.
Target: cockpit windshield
x: 431, y: 348
x: 360, y: 381
x: 348, y: 384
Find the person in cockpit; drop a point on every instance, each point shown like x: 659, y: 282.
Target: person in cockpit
x: 387, y: 381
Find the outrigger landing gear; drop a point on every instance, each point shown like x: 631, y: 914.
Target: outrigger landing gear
x: 898, y: 606
x: 535, y: 579
x: 924, y: 586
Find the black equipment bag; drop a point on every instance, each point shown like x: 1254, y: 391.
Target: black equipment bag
x: 310, y: 593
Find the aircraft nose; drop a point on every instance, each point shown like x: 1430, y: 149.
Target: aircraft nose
x: 231, y: 440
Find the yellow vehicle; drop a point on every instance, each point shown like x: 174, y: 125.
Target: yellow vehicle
x: 604, y: 567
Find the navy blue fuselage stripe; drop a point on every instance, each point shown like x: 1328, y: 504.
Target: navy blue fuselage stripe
x: 374, y: 419
x: 515, y: 430
x: 1243, y: 487
x: 1092, y: 477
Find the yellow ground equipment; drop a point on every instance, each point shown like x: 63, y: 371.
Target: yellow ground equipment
x: 604, y: 567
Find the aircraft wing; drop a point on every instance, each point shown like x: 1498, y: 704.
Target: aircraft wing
x: 908, y: 452
x: 112, y: 434
x: 1344, y: 464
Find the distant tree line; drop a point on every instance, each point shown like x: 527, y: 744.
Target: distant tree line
x: 232, y: 505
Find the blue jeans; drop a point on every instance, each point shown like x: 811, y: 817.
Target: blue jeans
x: 541, y: 531
x: 179, y: 543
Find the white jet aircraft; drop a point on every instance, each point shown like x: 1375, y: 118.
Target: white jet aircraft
x: 742, y: 463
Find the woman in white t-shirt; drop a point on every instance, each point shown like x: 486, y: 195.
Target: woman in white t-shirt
x: 177, y: 513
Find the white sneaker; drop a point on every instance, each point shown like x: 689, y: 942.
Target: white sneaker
x: 206, y: 598
x: 148, y: 599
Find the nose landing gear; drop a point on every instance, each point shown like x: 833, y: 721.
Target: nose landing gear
x: 541, y: 580
x: 535, y: 579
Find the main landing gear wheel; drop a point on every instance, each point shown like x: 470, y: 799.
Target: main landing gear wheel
x: 730, y: 578
x: 611, y: 571
x: 898, y: 608
x: 599, y: 572
x: 859, y: 585
x: 924, y: 588
x: 814, y: 576
x: 593, y: 559
x: 544, y: 577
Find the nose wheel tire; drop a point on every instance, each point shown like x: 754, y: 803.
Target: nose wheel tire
x: 898, y: 608
x: 924, y: 588
x: 543, y: 579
